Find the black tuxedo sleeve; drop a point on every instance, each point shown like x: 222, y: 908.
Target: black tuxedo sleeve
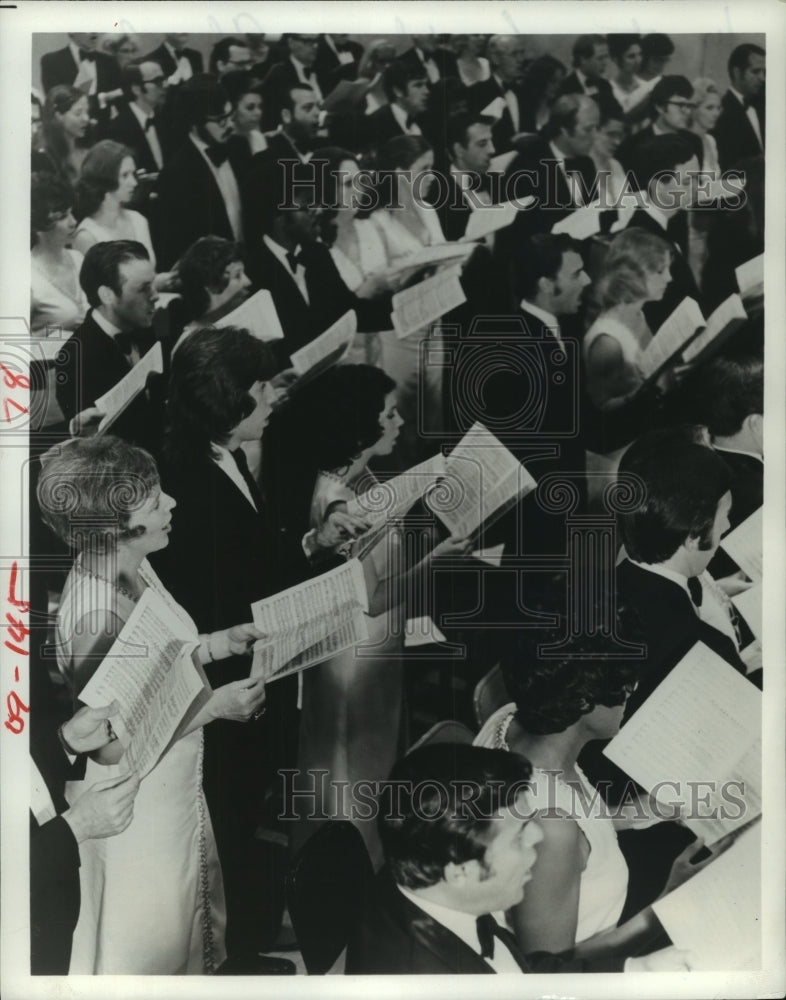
x: 54, y: 895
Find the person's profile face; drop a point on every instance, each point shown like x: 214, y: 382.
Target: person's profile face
x: 630, y: 61
x: 569, y: 284
x: 477, y: 153
x: 415, y: 97
x: 76, y: 119
x: 302, y: 222
x: 126, y: 180
x: 136, y: 303
x: 580, y: 140
x: 153, y: 84
x: 707, y: 113
x: 657, y: 279
x: 248, y: 112
x: 62, y: 229
x: 753, y: 78
x: 608, y: 137
x: 304, y: 48
x: 239, y: 58
x: 389, y: 424
x: 675, y: 112
x: 305, y: 114
x: 510, y: 856
x: 236, y: 284
x: 595, y: 65
x: 218, y: 128
x: 155, y: 516
x: 252, y: 427
x: 346, y: 175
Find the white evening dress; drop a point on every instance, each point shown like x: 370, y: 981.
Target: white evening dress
x: 152, y: 896
x: 140, y: 231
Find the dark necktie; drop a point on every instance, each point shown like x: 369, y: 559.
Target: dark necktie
x: 293, y: 259
x: 240, y: 460
x: 488, y: 929
x: 150, y: 123
x: 86, y: 56
x: 694, y: 589
x: 217, y: 154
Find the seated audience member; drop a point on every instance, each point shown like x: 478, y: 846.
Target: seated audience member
x: 590, y: 60
x: 337, y: 58
x: 452, y: 870
x: 466, y: 185
x: 57, y: 301
x: 406, y: 88
x: 178, y: 62
x: 627, y: 87
x: 170, y: 844
x: 123, y: 49
x: 740, y: 129
x: 287, y: 258
x: 672, y: 103
x: 137, y: 124
x: 118, y: 281
x: 540, y: 87
x: 212, y: 280
x: 229, y: 55
x: 429, y: 59
x: 57, y: 828
x: 610, y: 172
x: 378, y: 56
x: 247, y: 139
x: 656, y: 52
x: 64, y: 142
x: 662, y: 171
x: 80, y: 65
x: 506, y: 55
x: 219, y: 402
x: 471, y: 63
x: 295, y: 68
x: 198, y: 189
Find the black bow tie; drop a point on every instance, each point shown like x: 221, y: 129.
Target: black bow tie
x: 488, y: 929
x: 293, y: 259
x: 409, y: 122
x: 84, y: 54
x: 150, y: 123
x: 217, y: 154
x: 179, y: 53
x: 748, y: 102
x: 694, y: 589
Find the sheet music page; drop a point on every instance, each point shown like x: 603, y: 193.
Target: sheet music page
x: 750, y: 276
x: 490, y: 218
x: 439, y: 253
x: 729, y: 312
x: 749, y: 604
x: 350, y: 631
x: 717, y: 913
x: 149, y: 672
x: 672, y: 336
x: 581, y: 224
x: 500, y: 163
x: 496, y: 109
x: 481, y: 476
x: 744, y: 545
x: 120, y: 395
x: 346, y: 94
x: 421, y: 304
x: 257, y: 315
x: 393, y: 498
x: 701, y: 724
x: 335, y: 340
x: 296, y: 619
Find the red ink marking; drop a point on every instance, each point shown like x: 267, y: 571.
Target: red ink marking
x: 16, y: 674
x: 24, y: 606
x: 14, y: 381
x: 17, y: 628
x: 15, y: 706
x: 13, y: 402
x: 15, y: 649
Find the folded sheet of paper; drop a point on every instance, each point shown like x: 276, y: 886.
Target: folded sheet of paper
x: 482, y: 480
x: 438, y: 255
x: 151, y: 673
x: 672, y: 337
x: 581, y: 224
x: 113, y: 403
x: 717, y: 914
x: 721, y: 323
x: 328, y: 348
x: 490, y: 218
x: 347, y: 94
x: 697, y: 740
x: 749, y: 604
x: 417, y: 306
x: 745, y: 545
x: 496, y: 109
x: 257, y: 315
x: 750, y: 277
x: 310, y: 622
x: 491, y: 555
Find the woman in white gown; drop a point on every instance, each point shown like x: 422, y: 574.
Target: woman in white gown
x: 152, y: 897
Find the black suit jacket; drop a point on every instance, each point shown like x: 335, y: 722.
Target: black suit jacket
x: 330, y: 70
x: 190, y: 202
x: 444, y: 59
x: 93, y: 364
x: 396, y: 937
x: 60, y: 67
x: 329, y: 297
x: 480, y: 95
x: 380, y: 126
x: 747, y: 495
x: 168, y: 65
x: 452, y: 208
x: 125, y: 128
x: 628, y: 150
x: 734, y: 133
x: 572, y: 85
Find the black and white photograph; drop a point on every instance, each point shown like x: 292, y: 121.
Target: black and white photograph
x: 383, y: 431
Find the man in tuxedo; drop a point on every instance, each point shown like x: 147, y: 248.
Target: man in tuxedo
x: 590, y: 59
x: 452, y: 869
x: 338, y: 58
x: 80, y: 64
x: 137, y: 124
x: 407, y: 91
x: 117, y: 279
x: 178, y: 62
x: 198, y: 190
x: 671, y: 105
x: 465, y: 185
x: 430, y: 60
x: 555, y: 166
x: 739, y: 131
x: 499, y: 96
x: 229, y: 55
x: 297, y: 68
x: 287, y: 258
x: 662, y: 170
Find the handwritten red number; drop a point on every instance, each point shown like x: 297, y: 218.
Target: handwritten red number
x: 13, y: 402
x: 15, y: 706
x: 24, y: 606
x: 14, y: 381
x: 17, y: 628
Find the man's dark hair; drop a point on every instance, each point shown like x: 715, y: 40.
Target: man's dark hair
x: 282, y: 99
x: 201, y: 269
x: 659, y: 154
x: 398, y: 74
x: 668, y: 87
x: 683, y: 483
x: 740, y: 56
x: 725, y: 391
x: 102, y: 263
x: 656, y: 46
x: 584, y: 47
x: 458, y: 127
x: 432, y: 781
x: 212, y: 373
x: 220, y: 51
x: 619, y: 44
x: 563, y: 114
x: 130, y: 77
x: 277, y: 187
x: 200, y: 98
x: 541, y: 257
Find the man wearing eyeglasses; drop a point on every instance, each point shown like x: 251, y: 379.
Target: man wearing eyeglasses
x: 137, y: 124
x: 198, y: 190
x: 672, y: 103
x: 228, y: 56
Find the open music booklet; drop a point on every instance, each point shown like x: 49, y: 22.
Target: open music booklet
x: 113, y: 402
x: 257, y: 315
x: 327, y: 349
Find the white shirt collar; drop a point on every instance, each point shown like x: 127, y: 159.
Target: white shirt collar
x: 140, y: 115
x: 584, y: 81
x: 74, y: 51
x: 548, y: 319
x: 558, y: 154
x: 302, y: 72
x: 228, y: 465
x: 739, y: 451
x: 172, y: 51
x: 109, y: 328
x: 738, y: 95
x: 279, y: 251
x: 504, y: 87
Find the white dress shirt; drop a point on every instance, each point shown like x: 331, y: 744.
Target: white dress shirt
x: 298, y: 275
x: 227, y: 185
x: 550, y: 321
x: 751, y: 115
x: 586, y: 86
x: 432, y: 70
x: 512, y: 102
x: 183, y: 70
x: 87, y: 68
x: 573, y: 184
x: 464, y: 926
x: 151, y: 136
x: 224, y: 460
